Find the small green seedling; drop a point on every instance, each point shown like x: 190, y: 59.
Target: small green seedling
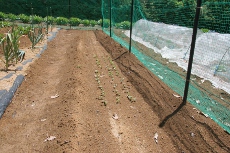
x: 100, y: 98
x: 131, y: 98
x: 117, y: 100
x: 100, y: 87
x: 103, y: 94
x: 104, y: 102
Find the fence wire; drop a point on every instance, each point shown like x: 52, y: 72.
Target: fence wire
x: 163, y: 30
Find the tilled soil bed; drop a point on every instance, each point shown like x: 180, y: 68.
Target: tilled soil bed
x: 89, y: 94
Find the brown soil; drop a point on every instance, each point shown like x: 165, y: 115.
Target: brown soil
x: 106, y: 101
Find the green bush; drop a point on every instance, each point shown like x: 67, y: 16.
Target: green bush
x: 51, y: 20
x: 74, y: 21
x: 61, y: 21
x: 118, y: 25
x: 2, y: 16
x: 24, y: 30
x: 36, y: 19
x: 11, y: 17
x: 123, y: 25
x: 93, y: 23
x: 5, y: 24
x: 99, y: 22
x: 24, y: 18
x: 85, y: 22
x: 204, y: 30
x: 106, y: 23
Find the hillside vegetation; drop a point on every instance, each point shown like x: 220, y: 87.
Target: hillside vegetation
x: 214, y: 14
x: 84, y: 9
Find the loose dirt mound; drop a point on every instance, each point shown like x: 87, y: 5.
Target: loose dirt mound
x: 103, y: 100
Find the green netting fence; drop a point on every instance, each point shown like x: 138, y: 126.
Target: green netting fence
x: 165, y: 29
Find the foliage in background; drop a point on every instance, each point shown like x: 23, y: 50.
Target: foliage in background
x: 51, y: 19
x: 214, y: 14
x: 99, y: 22
x: 123, y: 25
x: 2, y: 16
x: 24, y: 30
x: 204, y: 30
x: 154, y: 10
x: 89, y: 9
x: 61, y: 21
x: 85, y: 22
x: 36, y: 19
x: 74, y: 21
x: 11, y: 17
x: 24, y: 18
x: 106, y: 23
x: 93, y: 23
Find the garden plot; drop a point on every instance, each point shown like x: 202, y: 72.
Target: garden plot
x: 88, y: 94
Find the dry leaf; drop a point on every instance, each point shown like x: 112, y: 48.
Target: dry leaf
x: 115, y: 116
x: 50, y: 138
x: 177, y: 96
x: 192, y: 134
x: 55, y: 96
x: 202, y: 81
x: 156, y: 137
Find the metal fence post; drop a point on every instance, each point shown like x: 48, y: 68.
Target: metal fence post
x: 192, y: 51
x: 110, y: 23
x: 131, y: 27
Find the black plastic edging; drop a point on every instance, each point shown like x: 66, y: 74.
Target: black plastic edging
x: 7, y: 97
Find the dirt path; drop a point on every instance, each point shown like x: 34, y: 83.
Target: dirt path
x: 101, y: 105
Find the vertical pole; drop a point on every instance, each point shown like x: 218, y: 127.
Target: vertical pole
x: 110, y: 18
x: 69, y: 13
x: 102, y: 15
x: 47, y: 20
x: 32, y: 14
x: 192, y: 51
x: 51, y: 21
x: 69, y: 8
x: 102, y: 22
x: 131, y: 27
